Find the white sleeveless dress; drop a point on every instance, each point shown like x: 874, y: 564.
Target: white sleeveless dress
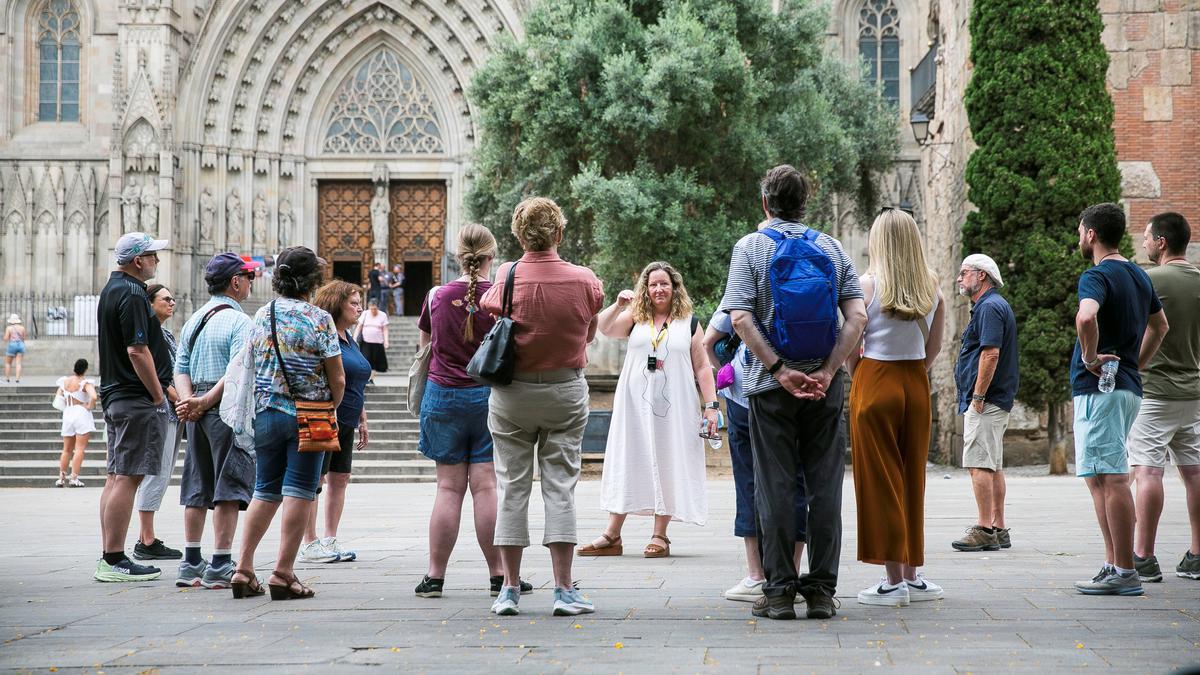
x: 654, y: 462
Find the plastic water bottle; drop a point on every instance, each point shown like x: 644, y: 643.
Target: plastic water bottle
x: 1108, y: 376
x: 714, y: 441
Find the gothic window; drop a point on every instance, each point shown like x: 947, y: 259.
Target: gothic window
x: 382, y: 108
x: 879, y: 46
x: 58, y: 49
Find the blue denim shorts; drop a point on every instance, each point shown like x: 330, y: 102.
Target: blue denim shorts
x: 454, y: 427
x: 1102, y: 423
x: 280, y: 469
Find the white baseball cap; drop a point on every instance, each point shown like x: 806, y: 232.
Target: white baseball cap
x: 984, y: 264
x: 133, y: 244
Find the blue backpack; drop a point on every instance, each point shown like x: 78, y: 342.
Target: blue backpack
x: 804, y: 327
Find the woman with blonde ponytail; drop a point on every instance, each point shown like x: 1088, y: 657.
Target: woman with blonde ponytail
x: 890, y: 412
x: 454, y: 412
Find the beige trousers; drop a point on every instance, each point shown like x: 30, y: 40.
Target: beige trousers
x: 539, y: 417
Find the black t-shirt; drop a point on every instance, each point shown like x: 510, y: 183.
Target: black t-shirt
x: 374, y: 277
x: 124, y: 318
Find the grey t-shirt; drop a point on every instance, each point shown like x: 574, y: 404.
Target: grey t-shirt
x: 749, y: 288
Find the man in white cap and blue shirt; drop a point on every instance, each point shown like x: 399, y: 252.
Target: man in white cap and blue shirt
x: 135, y: 372
x: 987, y: 377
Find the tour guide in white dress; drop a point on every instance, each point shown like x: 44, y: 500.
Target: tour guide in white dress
x: 654, y: 463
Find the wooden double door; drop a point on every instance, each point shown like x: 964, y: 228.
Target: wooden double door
x: 416, y: 232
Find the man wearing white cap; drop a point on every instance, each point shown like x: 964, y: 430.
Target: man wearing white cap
x: 135, y: 371
x: 986, y: 376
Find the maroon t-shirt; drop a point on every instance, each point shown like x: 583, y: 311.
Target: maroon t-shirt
x: 444, y: 317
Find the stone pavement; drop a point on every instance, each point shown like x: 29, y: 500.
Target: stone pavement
x: 1007, y: 611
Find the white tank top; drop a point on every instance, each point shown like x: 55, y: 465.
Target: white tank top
x: 890, y: 339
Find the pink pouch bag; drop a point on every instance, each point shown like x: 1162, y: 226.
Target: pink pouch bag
x: 725, y: 376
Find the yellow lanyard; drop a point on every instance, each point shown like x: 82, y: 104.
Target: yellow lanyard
x: 657, y: 340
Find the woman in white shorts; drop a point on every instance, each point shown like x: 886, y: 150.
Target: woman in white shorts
x: 79, y: 394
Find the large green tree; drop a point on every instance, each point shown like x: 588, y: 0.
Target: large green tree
x: 1042, y: 119
x: 651, y: 121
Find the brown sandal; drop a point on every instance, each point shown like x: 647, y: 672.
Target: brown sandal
x: 613, y: 547
x: 246, y: 589
x: 653, y: 550
x: 292, y: 590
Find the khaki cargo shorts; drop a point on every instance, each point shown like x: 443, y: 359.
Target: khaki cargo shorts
x: 983, y: 437
x: 1164, y: 427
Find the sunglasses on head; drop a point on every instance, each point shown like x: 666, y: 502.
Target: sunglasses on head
x: 885, y: 209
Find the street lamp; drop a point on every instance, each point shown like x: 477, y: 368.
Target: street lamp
x: 920, y: 126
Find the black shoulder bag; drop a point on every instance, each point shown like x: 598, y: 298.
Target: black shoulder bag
x: 496, y: 359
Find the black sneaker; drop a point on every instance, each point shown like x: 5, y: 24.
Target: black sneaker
x: 820, y: 606
x: 497, y: 582
x: 1148, y: 569
x: 780, y: 607
x: 430, y: 587
x: 155, y: 551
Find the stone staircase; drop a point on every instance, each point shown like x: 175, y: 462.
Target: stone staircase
x: 30, y: 443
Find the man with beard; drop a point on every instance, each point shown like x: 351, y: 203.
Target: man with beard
x: 987, y: 377
x: 1120, y: 320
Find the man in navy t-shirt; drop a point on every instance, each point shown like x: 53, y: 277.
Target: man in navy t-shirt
x: 1119, y: 319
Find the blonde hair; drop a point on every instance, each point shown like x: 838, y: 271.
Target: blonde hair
x: 475, y: 245
x: 536, y: 222
x: 643, y: 309
x: 905, y: 286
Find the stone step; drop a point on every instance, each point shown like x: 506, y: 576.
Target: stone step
x: 96, y: 467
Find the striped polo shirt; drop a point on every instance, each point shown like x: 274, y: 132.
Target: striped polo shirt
x: 222, y: 338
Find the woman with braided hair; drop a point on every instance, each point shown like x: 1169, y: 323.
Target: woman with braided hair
x: 454, y: 412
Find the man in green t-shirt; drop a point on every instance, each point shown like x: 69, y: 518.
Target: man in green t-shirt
x: 1169, y: 419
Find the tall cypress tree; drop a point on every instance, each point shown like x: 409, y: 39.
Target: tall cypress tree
x: 1042, y: 119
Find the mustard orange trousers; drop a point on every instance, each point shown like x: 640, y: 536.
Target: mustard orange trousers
x: 890, y: 419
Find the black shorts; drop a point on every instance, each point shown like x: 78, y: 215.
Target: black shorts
x: 339, y: 462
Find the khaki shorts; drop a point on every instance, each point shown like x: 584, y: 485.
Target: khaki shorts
x: 1162, y: 427
x: 983, y: 437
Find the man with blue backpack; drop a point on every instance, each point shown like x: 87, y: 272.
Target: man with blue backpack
x: 786, y: 285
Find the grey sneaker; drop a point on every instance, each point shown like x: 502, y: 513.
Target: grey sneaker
x: 977, y: 539
x: 190, y: 575
x: 1148, y: 569
x: 1112, y: 584
x: 1003, y: 538
x: 1189, y: 567
x: 219, y: 577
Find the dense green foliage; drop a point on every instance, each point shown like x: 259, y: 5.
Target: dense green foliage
x: 1042, y: 119
x: 651, y: 121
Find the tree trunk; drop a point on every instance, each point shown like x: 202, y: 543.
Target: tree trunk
x: 1058, y: 438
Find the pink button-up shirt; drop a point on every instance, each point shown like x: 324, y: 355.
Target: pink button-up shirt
x: 554, y: 307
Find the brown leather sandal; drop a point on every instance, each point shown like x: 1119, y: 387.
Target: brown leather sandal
x: 246, y: 589
x: 653, y: 550
x: 292, y: 590
x: 613, y: 547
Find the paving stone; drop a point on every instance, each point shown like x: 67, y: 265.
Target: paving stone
x: 1005, y: 611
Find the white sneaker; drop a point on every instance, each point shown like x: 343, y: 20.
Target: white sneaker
x: 746, y: 590
x: 571, y: 603
x: 923, y: 589
x: 506, y: 602
x: 315, y: 552
x: 332, y: 545
x: 884, y: 594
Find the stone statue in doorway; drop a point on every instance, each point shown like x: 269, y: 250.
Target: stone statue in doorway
x: 233, y: 219
x: 285, y: 222
x: 150, y: 208
x: 380, y: 208
x: 131, y: 199
x: 259, y: 224
x: 208, y: 214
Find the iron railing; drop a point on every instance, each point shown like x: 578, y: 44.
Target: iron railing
x: 53, y: 316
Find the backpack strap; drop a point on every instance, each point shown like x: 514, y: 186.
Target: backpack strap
x: 694, y: 324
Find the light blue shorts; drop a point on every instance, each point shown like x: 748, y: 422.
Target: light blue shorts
x: 1102, y: 423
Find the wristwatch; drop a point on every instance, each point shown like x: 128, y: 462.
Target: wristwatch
x: 712, y: 405
x: 977, y: 397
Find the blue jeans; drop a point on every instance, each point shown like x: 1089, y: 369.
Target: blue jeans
x: 281, y: 470
x: 743, y: 477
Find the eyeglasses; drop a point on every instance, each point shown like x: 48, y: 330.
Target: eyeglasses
x: 248, y: 275
x: 885, y: 209
x: 149, y: 255
x: 169, y: 300
x: 963, y: 273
